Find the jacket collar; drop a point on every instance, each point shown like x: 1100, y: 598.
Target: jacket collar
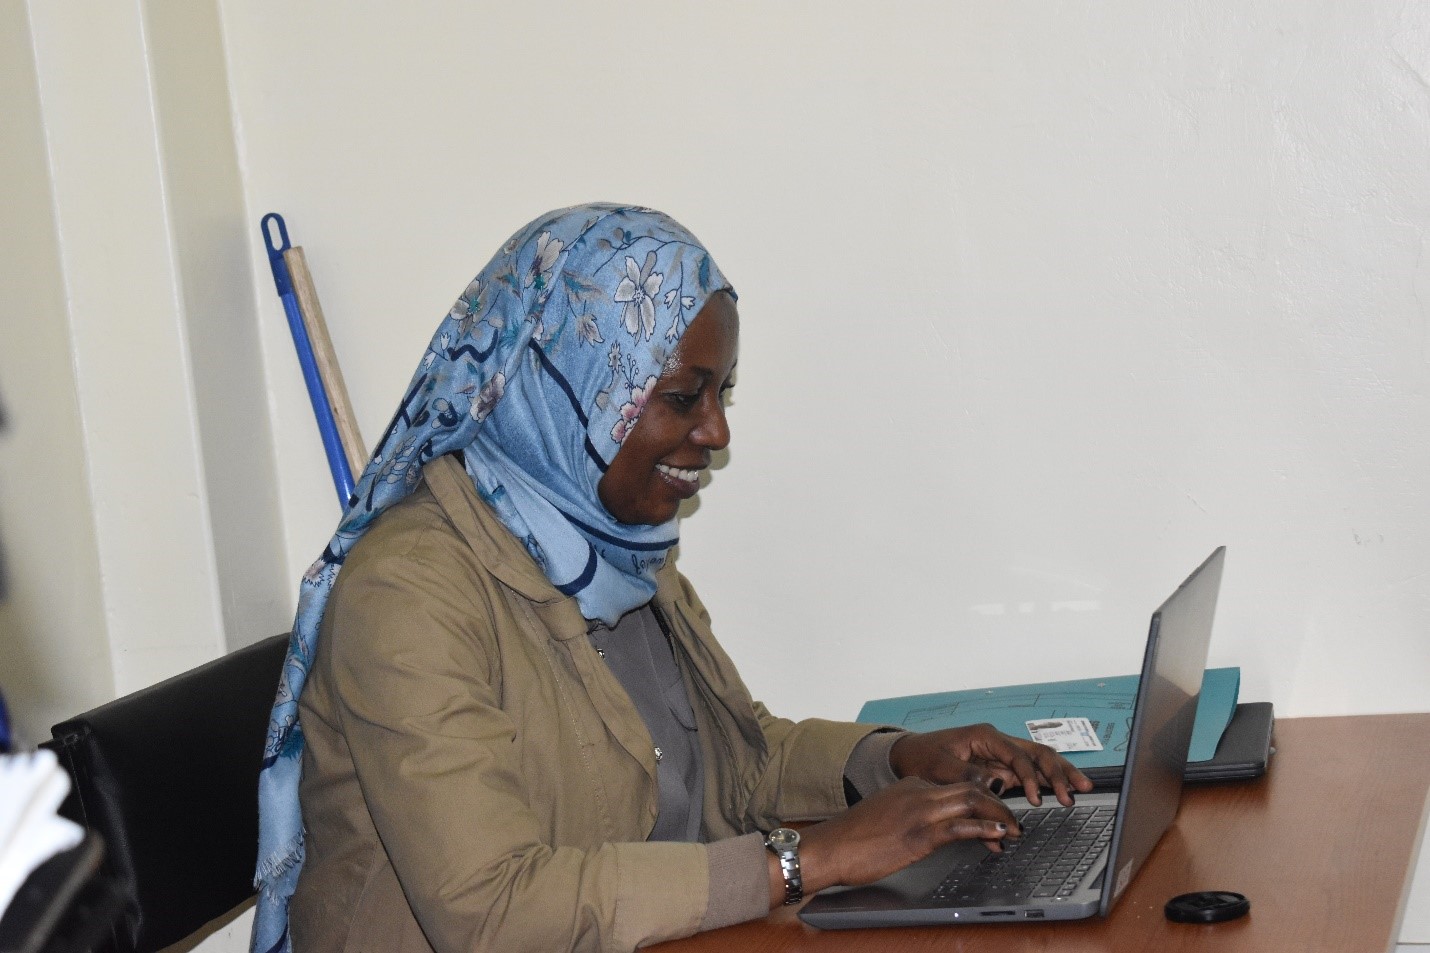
x: 497, y: 549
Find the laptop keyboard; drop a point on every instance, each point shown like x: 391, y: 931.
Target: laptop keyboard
x: 1058, y: 847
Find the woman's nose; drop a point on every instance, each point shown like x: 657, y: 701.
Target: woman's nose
x: 713, y: 431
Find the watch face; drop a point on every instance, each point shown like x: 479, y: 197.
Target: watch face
x: 782, y: 838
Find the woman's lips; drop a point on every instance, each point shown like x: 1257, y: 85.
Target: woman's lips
x: 686, y: 483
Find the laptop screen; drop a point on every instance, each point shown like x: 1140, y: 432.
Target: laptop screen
x: 1166, y: 707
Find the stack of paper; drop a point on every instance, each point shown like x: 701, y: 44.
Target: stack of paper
x: 32, y: 786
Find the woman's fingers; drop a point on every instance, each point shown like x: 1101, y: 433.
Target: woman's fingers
x: 1024, y: 770
x: 1054, y: 771
x: 1034, y: 766
x: 974, y: 812
x: 965, y: 811
x: 990, y: 832
x: 1010, y: 758
x: 1061, y: 776
x: 900, y: 825
x: 982, y: 751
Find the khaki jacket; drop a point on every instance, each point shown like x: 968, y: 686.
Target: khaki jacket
x: 475, y: 778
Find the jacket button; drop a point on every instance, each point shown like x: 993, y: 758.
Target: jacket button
x: 659, y: 756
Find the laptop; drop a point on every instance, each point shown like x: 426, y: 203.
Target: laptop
x: 1038, y: 877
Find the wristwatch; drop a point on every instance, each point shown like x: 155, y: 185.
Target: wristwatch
x: 784, y: 844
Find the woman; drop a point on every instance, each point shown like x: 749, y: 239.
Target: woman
x: 517, y: 731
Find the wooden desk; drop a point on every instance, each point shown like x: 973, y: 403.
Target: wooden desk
x: 1323, y: 846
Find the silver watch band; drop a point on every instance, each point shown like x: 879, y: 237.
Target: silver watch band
x: 794, y: 885
x: 786, y: 849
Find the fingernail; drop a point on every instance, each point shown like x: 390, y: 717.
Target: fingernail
x: 1002, y: 828
x: 996, y: 786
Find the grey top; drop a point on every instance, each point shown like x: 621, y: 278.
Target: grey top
x: 642, y: 661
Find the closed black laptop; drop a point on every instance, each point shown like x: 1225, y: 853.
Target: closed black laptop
x: 1243, y: 752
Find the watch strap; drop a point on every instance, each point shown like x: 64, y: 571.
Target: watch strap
x: 789, y: 866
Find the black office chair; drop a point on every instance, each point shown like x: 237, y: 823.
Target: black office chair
x: 168, y: 777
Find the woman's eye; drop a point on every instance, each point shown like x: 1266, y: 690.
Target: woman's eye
x: 683, y: 401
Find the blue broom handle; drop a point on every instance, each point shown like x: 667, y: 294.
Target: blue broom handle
x: 322, y: 410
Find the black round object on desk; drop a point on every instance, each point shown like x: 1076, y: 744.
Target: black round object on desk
x: 1206, y: 906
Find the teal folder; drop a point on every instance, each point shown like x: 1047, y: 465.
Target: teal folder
x: 1106, y: 702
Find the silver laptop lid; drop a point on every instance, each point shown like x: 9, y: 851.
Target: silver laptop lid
x: 1165, y: 709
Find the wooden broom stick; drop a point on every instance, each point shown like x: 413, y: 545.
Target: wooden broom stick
x: 327, y: 360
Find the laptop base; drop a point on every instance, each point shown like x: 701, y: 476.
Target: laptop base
x: 902, y: 898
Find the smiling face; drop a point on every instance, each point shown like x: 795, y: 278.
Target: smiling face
x: 682, y: 423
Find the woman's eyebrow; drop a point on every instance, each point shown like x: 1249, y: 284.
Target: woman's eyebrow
x: 708, y: 372
x: 684, y: 376
x: 702, y: 374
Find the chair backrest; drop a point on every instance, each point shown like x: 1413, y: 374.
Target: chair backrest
x: 168, y: 777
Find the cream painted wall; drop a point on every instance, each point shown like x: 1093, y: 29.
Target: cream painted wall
x: 1040, y: 303
x: 54, y: 656
x: 138, y: 503
x: 127, y: 349
x: 216, y: 297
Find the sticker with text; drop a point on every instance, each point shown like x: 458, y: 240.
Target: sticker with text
x: 1065, y: 734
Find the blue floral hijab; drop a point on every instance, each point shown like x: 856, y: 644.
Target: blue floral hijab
x: 537, y: 374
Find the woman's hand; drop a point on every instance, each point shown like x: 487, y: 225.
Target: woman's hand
x: 982, y: 752
x: 889, y: 830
